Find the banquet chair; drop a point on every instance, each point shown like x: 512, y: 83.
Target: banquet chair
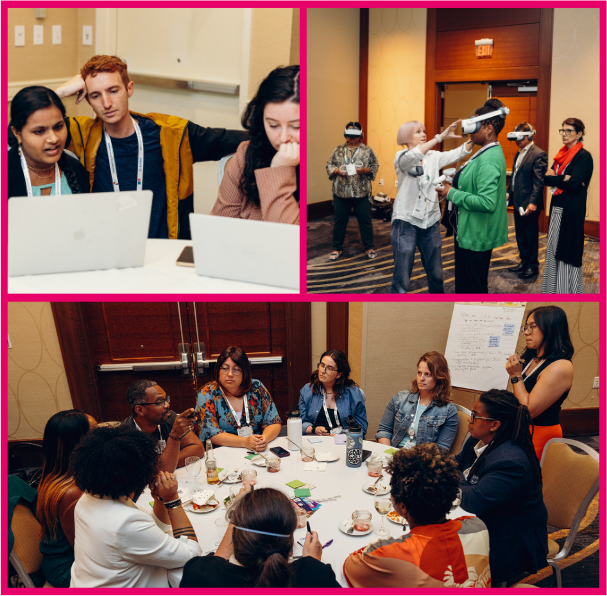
x: 567, y: 508
x: 462, y: 431
x: 221, y: 167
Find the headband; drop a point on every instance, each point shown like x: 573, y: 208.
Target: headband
x: 262, y: 532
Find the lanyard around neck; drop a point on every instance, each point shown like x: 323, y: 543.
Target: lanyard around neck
x: 324, y: 405
x: 535, y: 368
x: 246, y: 410
x: 110, y: 155
x: 348, y: 159
x: 28, y: 180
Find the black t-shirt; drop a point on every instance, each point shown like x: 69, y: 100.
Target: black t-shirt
x: 216, y: 572
x: 125, y: 155
x: 321, y: 419
x: 165, y: 427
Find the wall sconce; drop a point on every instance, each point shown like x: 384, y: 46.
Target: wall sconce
x: 484, y: 48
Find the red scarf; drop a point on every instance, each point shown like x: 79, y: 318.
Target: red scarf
x: 562, y: 160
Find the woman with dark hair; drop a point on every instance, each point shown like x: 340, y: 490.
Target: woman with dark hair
x: 330, y: 397
x: 256, y: 549
x: 235, y: 410
x: 352, y: 167
x: 544, y: 384
x: 502, y: 484
x: 425, y: 414
x: 37, y: 163
x: 262, y: 180
x: 437, y: 551
x: 58, y: 494
x: 479, y: 193
x: 568, y: 181
x: 117, y: 544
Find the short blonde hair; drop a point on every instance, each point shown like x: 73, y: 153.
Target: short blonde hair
x: 406, y: 131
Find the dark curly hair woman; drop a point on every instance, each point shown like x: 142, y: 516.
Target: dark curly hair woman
x: 437, y: 551
x: 118, y: 545
x: 503, y: 484
x: 37, y: 163
x: 262, y: 180
x: 255, y: 550
x: 479, y: 192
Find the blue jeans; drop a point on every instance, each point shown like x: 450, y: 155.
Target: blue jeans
x: 405, y: 237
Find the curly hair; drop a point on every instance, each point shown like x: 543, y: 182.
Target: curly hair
x: 135, y: 394
x: 281, y: 85
x: 115, y: 462
x: 101, y: 63
x: 425, y: 480
x: 439, y: 369
x: 268, y: 510
x: 491, y: 105
x: 343, y: 367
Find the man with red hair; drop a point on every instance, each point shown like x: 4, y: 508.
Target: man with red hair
x: 124, y: 150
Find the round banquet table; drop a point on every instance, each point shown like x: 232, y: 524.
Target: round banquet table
x: 337, y: 480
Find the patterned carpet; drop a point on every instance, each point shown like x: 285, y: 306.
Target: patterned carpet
x: 353, y: 272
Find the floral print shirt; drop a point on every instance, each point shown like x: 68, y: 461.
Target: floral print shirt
x: 215, y: 416
x: 352, y: 187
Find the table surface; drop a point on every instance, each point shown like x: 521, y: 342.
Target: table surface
x: 336, y: 480
x: 159, y: 275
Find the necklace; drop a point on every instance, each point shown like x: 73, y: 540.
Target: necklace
x: 42, y: 177
x: 40, y: 169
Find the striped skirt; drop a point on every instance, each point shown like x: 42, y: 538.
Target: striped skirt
x: 559, y: 277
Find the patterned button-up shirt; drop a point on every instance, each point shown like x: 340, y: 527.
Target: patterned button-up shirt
x: 357, y: 186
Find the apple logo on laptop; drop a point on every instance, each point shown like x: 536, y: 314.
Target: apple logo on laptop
x: 79, y: 234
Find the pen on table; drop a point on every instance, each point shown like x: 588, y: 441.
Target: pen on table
x: 328, y: 543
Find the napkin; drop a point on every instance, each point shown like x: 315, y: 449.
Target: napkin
x: 314, y: 440
x: 295, y: 484
x: 302, y: 492
x: 315, y: 466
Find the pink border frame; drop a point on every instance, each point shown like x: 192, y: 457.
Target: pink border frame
x: 302, y: 296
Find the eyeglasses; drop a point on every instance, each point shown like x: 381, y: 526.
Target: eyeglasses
x: 158, y: 403
x: 226, y: 369
x: 474, y: 416
x: 329, y: 369
x: 566, y: 131
x: 529, y: 328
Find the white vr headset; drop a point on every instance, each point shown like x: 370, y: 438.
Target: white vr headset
x: 519, y: 135
x: 472, y: 125
x: 353, y: 132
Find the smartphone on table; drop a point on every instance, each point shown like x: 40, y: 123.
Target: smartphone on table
x: 280, y: 451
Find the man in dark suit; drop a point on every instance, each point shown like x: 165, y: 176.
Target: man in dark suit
x: 526, y: 190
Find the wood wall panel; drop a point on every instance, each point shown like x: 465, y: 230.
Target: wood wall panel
x: 449, y: 19
x: 513, y: 47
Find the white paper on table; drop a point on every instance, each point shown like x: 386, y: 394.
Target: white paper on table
x: 315, y: 466
x: 324, y: 456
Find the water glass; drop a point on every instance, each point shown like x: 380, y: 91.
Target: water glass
x: 249, y: 476
x: 374, y: 467
x: 273, y: 463
x: 193, y: 466
x: 307, y: 454
x: 302, y: 518
x: 361, y: 519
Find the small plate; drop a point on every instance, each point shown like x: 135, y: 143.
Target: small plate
x: 342, y: 526
x: 395, y: 518
x: 226, y: 479
x: 381, y: 488
x: 326, y: 456
x: 258, y: 461
x: 211, y: 505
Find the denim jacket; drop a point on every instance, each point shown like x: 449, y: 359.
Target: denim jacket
x: 351, y: 401
x: 438, y: 424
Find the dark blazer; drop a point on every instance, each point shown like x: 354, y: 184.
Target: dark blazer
x: 573, y: 199
x: 16, y: 181
x: 501, y: 493
x: 529, y: 180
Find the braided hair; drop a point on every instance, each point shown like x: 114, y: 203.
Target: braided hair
x: 281, y: 85
x: 24, y: 104
x: 515, y: 421
x: 491, y: 105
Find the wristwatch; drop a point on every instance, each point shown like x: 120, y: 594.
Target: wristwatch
x: 514, y: 380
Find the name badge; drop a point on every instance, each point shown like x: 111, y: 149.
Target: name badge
x: 420, y: 208
x: 245, y: 431
x: 408, y: 445
x: 351, y: 169
x: 161, y: 445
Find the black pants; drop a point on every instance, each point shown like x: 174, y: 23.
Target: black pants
x: 527, y: 234
x: 471, y: 270
x: 362, y: 210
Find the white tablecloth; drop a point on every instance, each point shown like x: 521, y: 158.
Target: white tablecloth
x: 338, y: 479
x: 159, y: 275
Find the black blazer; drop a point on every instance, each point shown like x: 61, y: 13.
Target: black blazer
x: 529, y: 179
x: 570, y: 247
x: 16, y: 181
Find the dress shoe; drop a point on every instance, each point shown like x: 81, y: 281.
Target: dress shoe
x: 520, y: 267
x: 529, y: 272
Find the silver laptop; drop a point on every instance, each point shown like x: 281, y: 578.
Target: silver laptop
x: 81, y: 232
x: 246, y: 250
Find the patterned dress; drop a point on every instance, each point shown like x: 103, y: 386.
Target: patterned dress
x: 352, y: 187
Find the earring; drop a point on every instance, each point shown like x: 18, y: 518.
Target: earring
x: 489, y: 138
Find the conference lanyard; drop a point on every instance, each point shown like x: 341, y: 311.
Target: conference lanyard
x: 110, y: 155
x: 346, y: 158
x: 28, y: 181
x: 246, y: 410
x: 324, y: 405
x: 161, y: 442
x: 536, y: 367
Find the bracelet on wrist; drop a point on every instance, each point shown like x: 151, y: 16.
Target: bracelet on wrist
x: 438, y: 138
x: 173, y: 504
x: 175, y: 438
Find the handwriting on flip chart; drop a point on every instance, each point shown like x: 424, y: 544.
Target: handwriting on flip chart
x: 481, y: 338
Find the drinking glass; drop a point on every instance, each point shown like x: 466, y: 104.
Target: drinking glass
x: 361, y: 518
x: 383, y: 507
x: 302, y: 518
x: 307, y: 454
x: 193, y: 466
x: 249, y: 476
x: 374, y: 467
x: 234, y: 490
x: 273, y: 463
x: 221, y: 525
x: 457, y: 501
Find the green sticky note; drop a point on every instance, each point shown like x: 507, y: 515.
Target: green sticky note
x: 219, y: 470
x: 302, y: 492
x: 250, y: 456
x: 391, y: 451
x: 295, y: 484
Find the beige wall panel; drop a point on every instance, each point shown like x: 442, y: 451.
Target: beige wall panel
x: 37, y: 385
x: 333, y: 66
x: 319, y: 330
x: 295, y: 37
x: 356, y: 322
x: 575, y: 89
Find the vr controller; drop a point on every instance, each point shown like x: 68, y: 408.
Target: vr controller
x: 519, y: 136
x: 448, y: 176
x: 472, y: 125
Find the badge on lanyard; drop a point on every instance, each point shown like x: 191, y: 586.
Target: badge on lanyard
x: 245, y: 431
x: 28, y: 180
x: 161, y: 445
x: 110, y: 156
x: 351, y: 169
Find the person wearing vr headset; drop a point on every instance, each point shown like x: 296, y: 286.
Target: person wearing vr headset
x: 352, y: 167
x: 568, y: 181
x: 416, y: 215
x: 479, y: 193
x: 526, y: 194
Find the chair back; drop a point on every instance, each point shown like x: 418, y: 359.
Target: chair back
x: 26, y: 529
x: 570, y: 481
x: 462, y: 430
x: 222, y: 165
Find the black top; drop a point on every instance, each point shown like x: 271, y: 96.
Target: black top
x: 321, y: 419
x: 550, y: 416
x: 165, y: 427
x: 217, y: 572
